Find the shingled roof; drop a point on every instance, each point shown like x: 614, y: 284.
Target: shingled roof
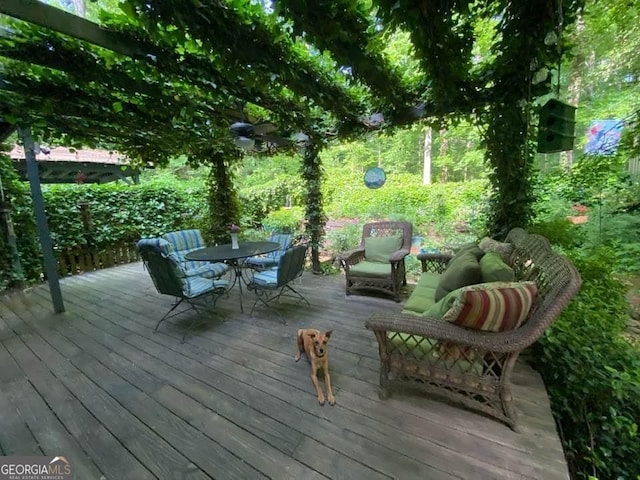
x: 68, y: 165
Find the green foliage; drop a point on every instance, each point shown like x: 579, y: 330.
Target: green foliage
x: 443, y: 206
x: 18, y: 202
x: 559, y: 231
x: 511, y: 159
x: 118, y: 213
x: 343, y: 239
x: 612, y: 199
x: 224, y: 207
x: 315, y: 216
x: 266, y: 184
x: 620, y: 232
x: 592, y: 374
x: 285, y: 220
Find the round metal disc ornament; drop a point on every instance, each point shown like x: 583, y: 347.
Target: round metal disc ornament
x: 374, y: 177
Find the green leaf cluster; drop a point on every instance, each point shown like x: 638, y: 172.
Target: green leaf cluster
x: 592, y: 374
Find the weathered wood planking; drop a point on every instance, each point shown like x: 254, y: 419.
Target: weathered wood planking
x: 230, y: 402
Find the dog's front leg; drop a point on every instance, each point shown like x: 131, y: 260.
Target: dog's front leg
x: 299, y: 345
x: 327, y: 381
x: 314, y: 379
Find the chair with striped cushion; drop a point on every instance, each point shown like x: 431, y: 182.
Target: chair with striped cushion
x: 170, y: 276
x: 182, y: 242
x: 269, y: 260
x: 273, y: 283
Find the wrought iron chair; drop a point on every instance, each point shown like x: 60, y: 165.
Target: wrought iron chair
x: 269, y: 285
x: 262, y: 262
x: 171, y: 277
x: 378, y: 262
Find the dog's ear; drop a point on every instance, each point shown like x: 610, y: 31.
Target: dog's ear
x: 328, y: 333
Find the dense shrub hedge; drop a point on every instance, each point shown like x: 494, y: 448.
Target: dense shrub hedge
x: 118, y: 213
x: 121, y: 213
x: 592, y: 372
x: 18, y: 202
x: 405, y: 196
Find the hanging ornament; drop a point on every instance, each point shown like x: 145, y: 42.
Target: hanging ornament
x: 374, y: 177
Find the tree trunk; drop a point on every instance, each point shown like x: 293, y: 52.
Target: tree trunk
x: 574, y: 87
x: 426, y: 157
x: 444, y: 174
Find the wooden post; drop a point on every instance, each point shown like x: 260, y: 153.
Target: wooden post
x: 41, y: 220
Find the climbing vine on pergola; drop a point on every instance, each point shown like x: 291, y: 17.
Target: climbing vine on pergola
x: 161, y: 77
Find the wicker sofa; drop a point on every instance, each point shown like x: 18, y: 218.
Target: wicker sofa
x: 416, y: 350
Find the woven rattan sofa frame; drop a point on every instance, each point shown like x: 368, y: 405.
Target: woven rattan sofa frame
x: 390, y: 285
x: 490, y: 392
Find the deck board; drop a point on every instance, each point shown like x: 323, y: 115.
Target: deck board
x: 96, y: 385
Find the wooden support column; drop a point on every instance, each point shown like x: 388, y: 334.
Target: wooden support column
x: 41, y: 219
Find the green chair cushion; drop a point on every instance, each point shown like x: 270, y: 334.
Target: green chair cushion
x: 379, y: 249
x: 422, y: 297
x: 493, y: 269
x: 463, y: 270
x: 371, y: 269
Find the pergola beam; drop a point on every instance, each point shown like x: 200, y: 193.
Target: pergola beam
x: 39, y: 13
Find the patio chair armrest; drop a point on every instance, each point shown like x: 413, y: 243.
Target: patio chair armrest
x: 442, y: 330
x: 351, y: 257
x: 398, y: 255
x: 434, y: 262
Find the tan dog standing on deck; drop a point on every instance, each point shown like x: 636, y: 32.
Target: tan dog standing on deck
x: 314, y: 343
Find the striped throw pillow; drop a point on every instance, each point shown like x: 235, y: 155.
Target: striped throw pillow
x: 491, y: 307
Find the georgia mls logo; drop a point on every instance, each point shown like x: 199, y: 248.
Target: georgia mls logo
x: 34, y: 468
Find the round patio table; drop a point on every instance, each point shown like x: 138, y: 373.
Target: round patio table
x: 224, y: 253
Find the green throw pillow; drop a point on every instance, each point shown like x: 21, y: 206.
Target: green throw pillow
x: 469, y: 247
x: 379, y: 249
x: 463, y: 270
x: 438, y: 309
x: 494, y: 269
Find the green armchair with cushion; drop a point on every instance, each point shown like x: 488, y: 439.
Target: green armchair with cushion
x: 377, y: 264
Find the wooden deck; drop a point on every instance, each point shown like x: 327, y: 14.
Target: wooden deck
x: 96, y: 385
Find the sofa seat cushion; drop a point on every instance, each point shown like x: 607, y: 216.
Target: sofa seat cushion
x: 371, y: 269
x: 379, y: 249
x: 493, y: 307
x: 463, y: 270
x: 494, y: 269
x: 423, y: 295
